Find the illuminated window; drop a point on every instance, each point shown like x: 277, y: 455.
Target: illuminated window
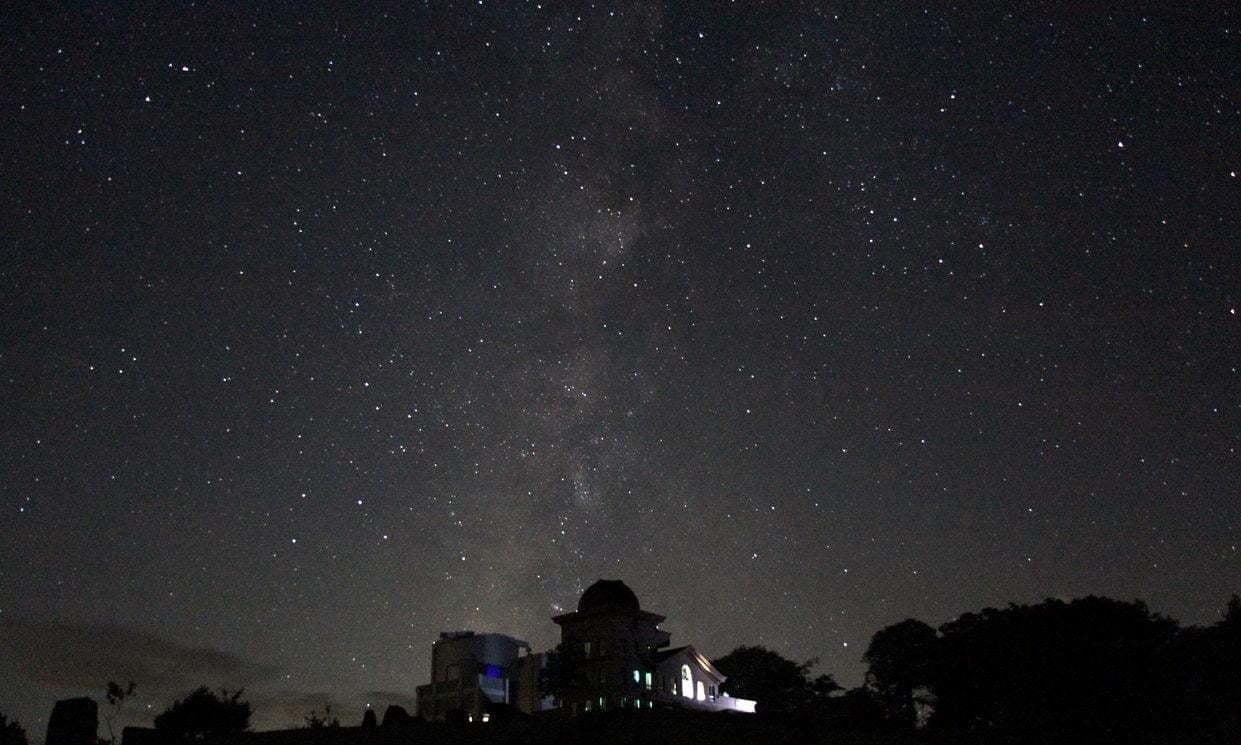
x: 586, y: 648
x: 486, y: 716
x: 637, y: 676
x: 648, y: 681
x: 702, y: 691
x: 687, y: 682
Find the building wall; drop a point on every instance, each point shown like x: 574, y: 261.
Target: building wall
x: 606, y: 648
x: 528, y: 684
x: 672, y: 674
x: 610, y: 657
x: 703, y: 689
x: 463, y: 653
x: 469, y: 672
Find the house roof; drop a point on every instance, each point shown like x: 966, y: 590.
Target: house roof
x: 691, y: 654
x: 666, y: 653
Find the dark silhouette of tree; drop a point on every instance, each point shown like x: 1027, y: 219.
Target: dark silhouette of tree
x: 1089, y: 668
x: 11, y: 733
x: 778, y: 684
x: 1225, y: 693
x: 824, y: 685
x: 900, y: 659
x: 858, y: 709
x: 314, y: 721
x: 115, y: 694
x: 563, y: 676
x: 203, y: 715
x: 1206, y: 669
x: 368, y: 720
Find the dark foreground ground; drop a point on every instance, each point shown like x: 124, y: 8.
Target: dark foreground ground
x: 669, y: 728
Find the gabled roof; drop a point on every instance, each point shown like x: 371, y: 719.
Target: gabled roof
x: 692, y: 655
x: 666, y: 653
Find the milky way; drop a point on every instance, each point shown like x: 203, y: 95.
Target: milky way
x: 326, y: 331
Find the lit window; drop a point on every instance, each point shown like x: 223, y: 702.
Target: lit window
x: 648, y: 681
x: 586, y: 648
x: 486, y: 716
x: 636, y: 676
x: 687, y: 682
x: 702, y: 692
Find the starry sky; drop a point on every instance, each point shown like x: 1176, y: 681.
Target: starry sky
x: 327, y: 330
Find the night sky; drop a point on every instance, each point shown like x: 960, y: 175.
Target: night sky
x: 325, y: 331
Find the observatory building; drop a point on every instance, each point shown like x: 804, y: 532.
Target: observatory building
x: 612, y: 655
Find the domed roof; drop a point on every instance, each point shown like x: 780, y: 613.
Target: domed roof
x: 608, y: 594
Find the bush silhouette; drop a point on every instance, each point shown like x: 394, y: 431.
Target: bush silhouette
x: 11, y: 733
x: 203, y: 715
x: 314, y: 721
x: 777, y: 683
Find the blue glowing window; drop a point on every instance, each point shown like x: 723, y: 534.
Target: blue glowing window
x: 493, y: 671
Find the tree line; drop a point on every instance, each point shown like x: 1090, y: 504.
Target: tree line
x: 1092, y: 669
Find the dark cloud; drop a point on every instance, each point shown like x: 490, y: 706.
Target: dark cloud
x: 88, y: 655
